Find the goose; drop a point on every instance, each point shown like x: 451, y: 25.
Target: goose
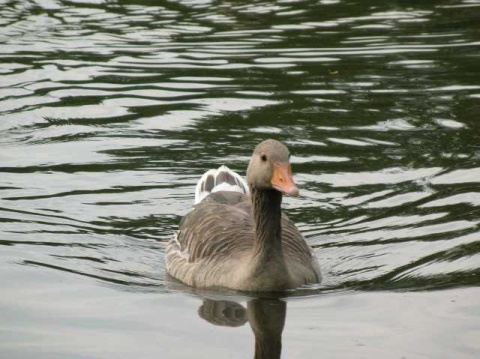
x: 236, y: 235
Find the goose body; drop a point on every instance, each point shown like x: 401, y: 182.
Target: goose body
x: 236, y: 235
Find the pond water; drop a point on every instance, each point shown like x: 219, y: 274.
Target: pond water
x: 110, y: 111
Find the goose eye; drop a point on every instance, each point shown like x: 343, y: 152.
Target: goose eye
x: 263, y: 157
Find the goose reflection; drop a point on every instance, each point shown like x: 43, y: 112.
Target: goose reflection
x: 266, y: 318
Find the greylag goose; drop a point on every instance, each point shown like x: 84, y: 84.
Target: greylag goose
x: 237, y: 237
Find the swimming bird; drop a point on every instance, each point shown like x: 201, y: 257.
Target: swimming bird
x: 236, y: 235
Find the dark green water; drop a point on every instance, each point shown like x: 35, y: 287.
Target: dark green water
x: 110, y: 111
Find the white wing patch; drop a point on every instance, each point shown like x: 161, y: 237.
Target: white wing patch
x: 221, y: 179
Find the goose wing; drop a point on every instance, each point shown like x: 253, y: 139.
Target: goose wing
x: 298, y: 254
x: 219, y: 229
x: 294, y: 245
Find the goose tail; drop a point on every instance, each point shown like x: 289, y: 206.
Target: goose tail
x: 221, y: 179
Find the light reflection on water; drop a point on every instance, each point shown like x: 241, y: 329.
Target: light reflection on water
x: 111, y: 111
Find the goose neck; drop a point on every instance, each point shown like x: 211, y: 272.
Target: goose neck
x: 267, y: 216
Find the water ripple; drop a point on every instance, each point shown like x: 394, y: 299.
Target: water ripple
x: 110, y: 112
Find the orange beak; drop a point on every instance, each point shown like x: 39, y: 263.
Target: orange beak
x: 282, y: 179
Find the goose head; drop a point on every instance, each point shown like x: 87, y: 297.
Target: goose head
x: 270, y: 168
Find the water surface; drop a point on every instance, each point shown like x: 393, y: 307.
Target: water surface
x: 111, y: 111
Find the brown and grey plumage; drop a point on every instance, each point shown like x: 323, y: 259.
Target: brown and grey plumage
x: 243, y: 241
